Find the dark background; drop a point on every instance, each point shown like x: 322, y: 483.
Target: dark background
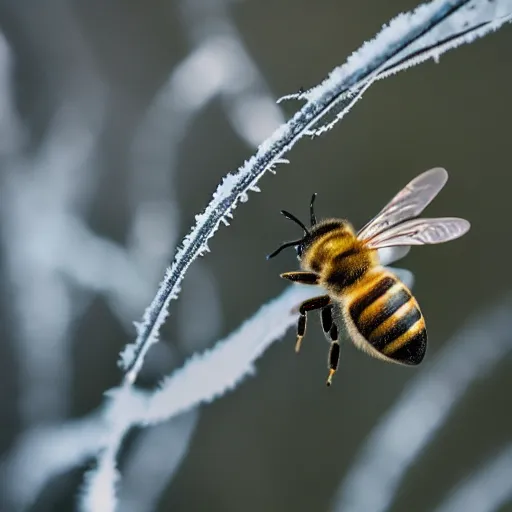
x: 281, y: 440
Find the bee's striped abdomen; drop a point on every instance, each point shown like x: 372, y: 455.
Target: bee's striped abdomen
x: 388, y: 317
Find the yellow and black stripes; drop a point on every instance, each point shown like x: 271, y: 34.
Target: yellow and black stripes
x: 388, y: 318
x: 409, y: 348
x: 383, y: 308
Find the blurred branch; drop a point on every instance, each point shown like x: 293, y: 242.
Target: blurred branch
x: 397, y: 42
x: 12, y: 133
x: 39, y: 196
x: 42, y: 452
x: 99, y: 490
x: 154, y: 459
x: 487, y: 490
x: 404, y: 432
x: 245, y: 95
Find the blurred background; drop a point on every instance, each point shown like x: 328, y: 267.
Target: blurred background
x: 117, y: 122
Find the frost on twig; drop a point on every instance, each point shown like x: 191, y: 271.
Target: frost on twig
x: 400, y: 437
x: 408, y: 39
x: 487, y: 490
x: 220, y: 369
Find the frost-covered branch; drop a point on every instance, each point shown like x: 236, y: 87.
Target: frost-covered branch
x: 404, y: 432
x: 487, y: 490
x: 410, y: 38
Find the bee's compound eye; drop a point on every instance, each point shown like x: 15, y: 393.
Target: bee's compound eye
x: 299, y: 250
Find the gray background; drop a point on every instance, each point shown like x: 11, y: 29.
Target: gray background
x: 281, y: 440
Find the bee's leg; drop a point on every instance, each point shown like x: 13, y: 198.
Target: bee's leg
x: 334, y: 353
x: 308, y: 305
x: 301, y: 277
x: 326, y: 317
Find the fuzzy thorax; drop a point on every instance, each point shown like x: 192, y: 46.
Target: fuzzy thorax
x: 333, y: 251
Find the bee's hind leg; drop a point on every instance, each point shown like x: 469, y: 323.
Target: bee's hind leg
x: 308, y: 305
x: 334, y: 351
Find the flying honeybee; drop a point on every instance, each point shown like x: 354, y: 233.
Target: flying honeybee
x: 380, y: 313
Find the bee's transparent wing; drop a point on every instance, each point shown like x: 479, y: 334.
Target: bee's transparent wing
x: 420, y: 232
x: 407, y: 204
x: 389, y: 255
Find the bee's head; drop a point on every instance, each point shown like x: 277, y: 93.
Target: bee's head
x: 310, y: 234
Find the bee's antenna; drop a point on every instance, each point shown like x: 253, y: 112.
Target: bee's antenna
x: 312, y: 210
x: 289, y: 216
x: 284, y: 246
x: 292, y: 217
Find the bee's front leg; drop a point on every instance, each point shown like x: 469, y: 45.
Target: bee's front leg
x: 301, y: 277
x: 308, y: 305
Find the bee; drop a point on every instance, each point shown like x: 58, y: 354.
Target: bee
x: 379, y: 312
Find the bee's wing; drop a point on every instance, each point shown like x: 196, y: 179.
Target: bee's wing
x: 389, y: 255
x: 420, y: 232
x: 407, y: 204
